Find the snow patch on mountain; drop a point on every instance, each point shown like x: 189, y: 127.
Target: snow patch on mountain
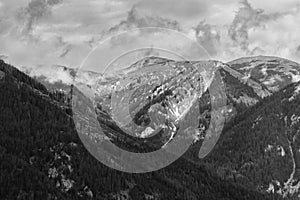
x: 281, y: 151
x: 245, y: 77
x: 295, y: 78
x: 147, y: 132
x: 294, y: 119
x: 249, y: 101
x: 269, y: 148
x: 273, y: 72
x: 271, y: 188
x: 256, y: 121
x: 296, y: 92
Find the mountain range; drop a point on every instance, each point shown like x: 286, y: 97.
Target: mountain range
x: 256, y: 156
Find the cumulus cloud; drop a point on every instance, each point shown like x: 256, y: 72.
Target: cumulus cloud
x: 208, y: 37
x: 58, y: 73
x: 64, y: 32
x: 120, y: 42
x: 137, y: 19
x: 35, y: 11
x: 3, y: 57
x: 252, y: 32
x: 278, y: 37
x: 135, y: 43
x: 248, y: 18
x: 51, y: 73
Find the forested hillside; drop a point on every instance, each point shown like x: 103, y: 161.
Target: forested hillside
x: 260, y: 148
x: 42, y: 156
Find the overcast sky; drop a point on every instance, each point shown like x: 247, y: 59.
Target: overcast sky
x: 49, y: 32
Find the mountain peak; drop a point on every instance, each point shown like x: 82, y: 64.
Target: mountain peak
x: 274, y: 72
x: 260, y: 58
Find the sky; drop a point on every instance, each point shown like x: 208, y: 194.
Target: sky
x: 69, y: 32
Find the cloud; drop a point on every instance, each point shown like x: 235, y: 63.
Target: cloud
x: 51, y: 32
x: 52, y: 74
x: 149, y: 52
x: 278, y: 37
x: 3, y: 57
x: 35, y: 11
x: 135, y: 19
x: 65, y: 51
x: 138, y: 43
x: 138, y: 19
x: 208, y: 37
x: 248, y: 18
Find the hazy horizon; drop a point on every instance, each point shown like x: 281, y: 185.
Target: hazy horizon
x: 63, y: 32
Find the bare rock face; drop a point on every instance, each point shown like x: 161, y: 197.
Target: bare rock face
x: 153, y: 108
x: 155, y: 99
x: 153, y: 96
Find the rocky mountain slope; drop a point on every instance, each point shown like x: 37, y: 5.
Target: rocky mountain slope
x: 42, y: 156
x: 170, y: 85
x: 260, y: 148
x: 275, y: 73
x: 259, y: 145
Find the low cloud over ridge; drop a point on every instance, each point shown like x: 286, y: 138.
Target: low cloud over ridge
x: 248, y: 31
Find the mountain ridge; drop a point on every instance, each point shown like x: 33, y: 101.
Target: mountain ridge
x: 44, y: 158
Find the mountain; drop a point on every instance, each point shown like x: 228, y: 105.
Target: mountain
x: 158, y: 85
x: 240, y: 91
x: 254, y: 150
x: 239, y: 94
x: 233, y: 79
x: 275, y: 73
x: 42, y: 156
x: 260, y: 148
